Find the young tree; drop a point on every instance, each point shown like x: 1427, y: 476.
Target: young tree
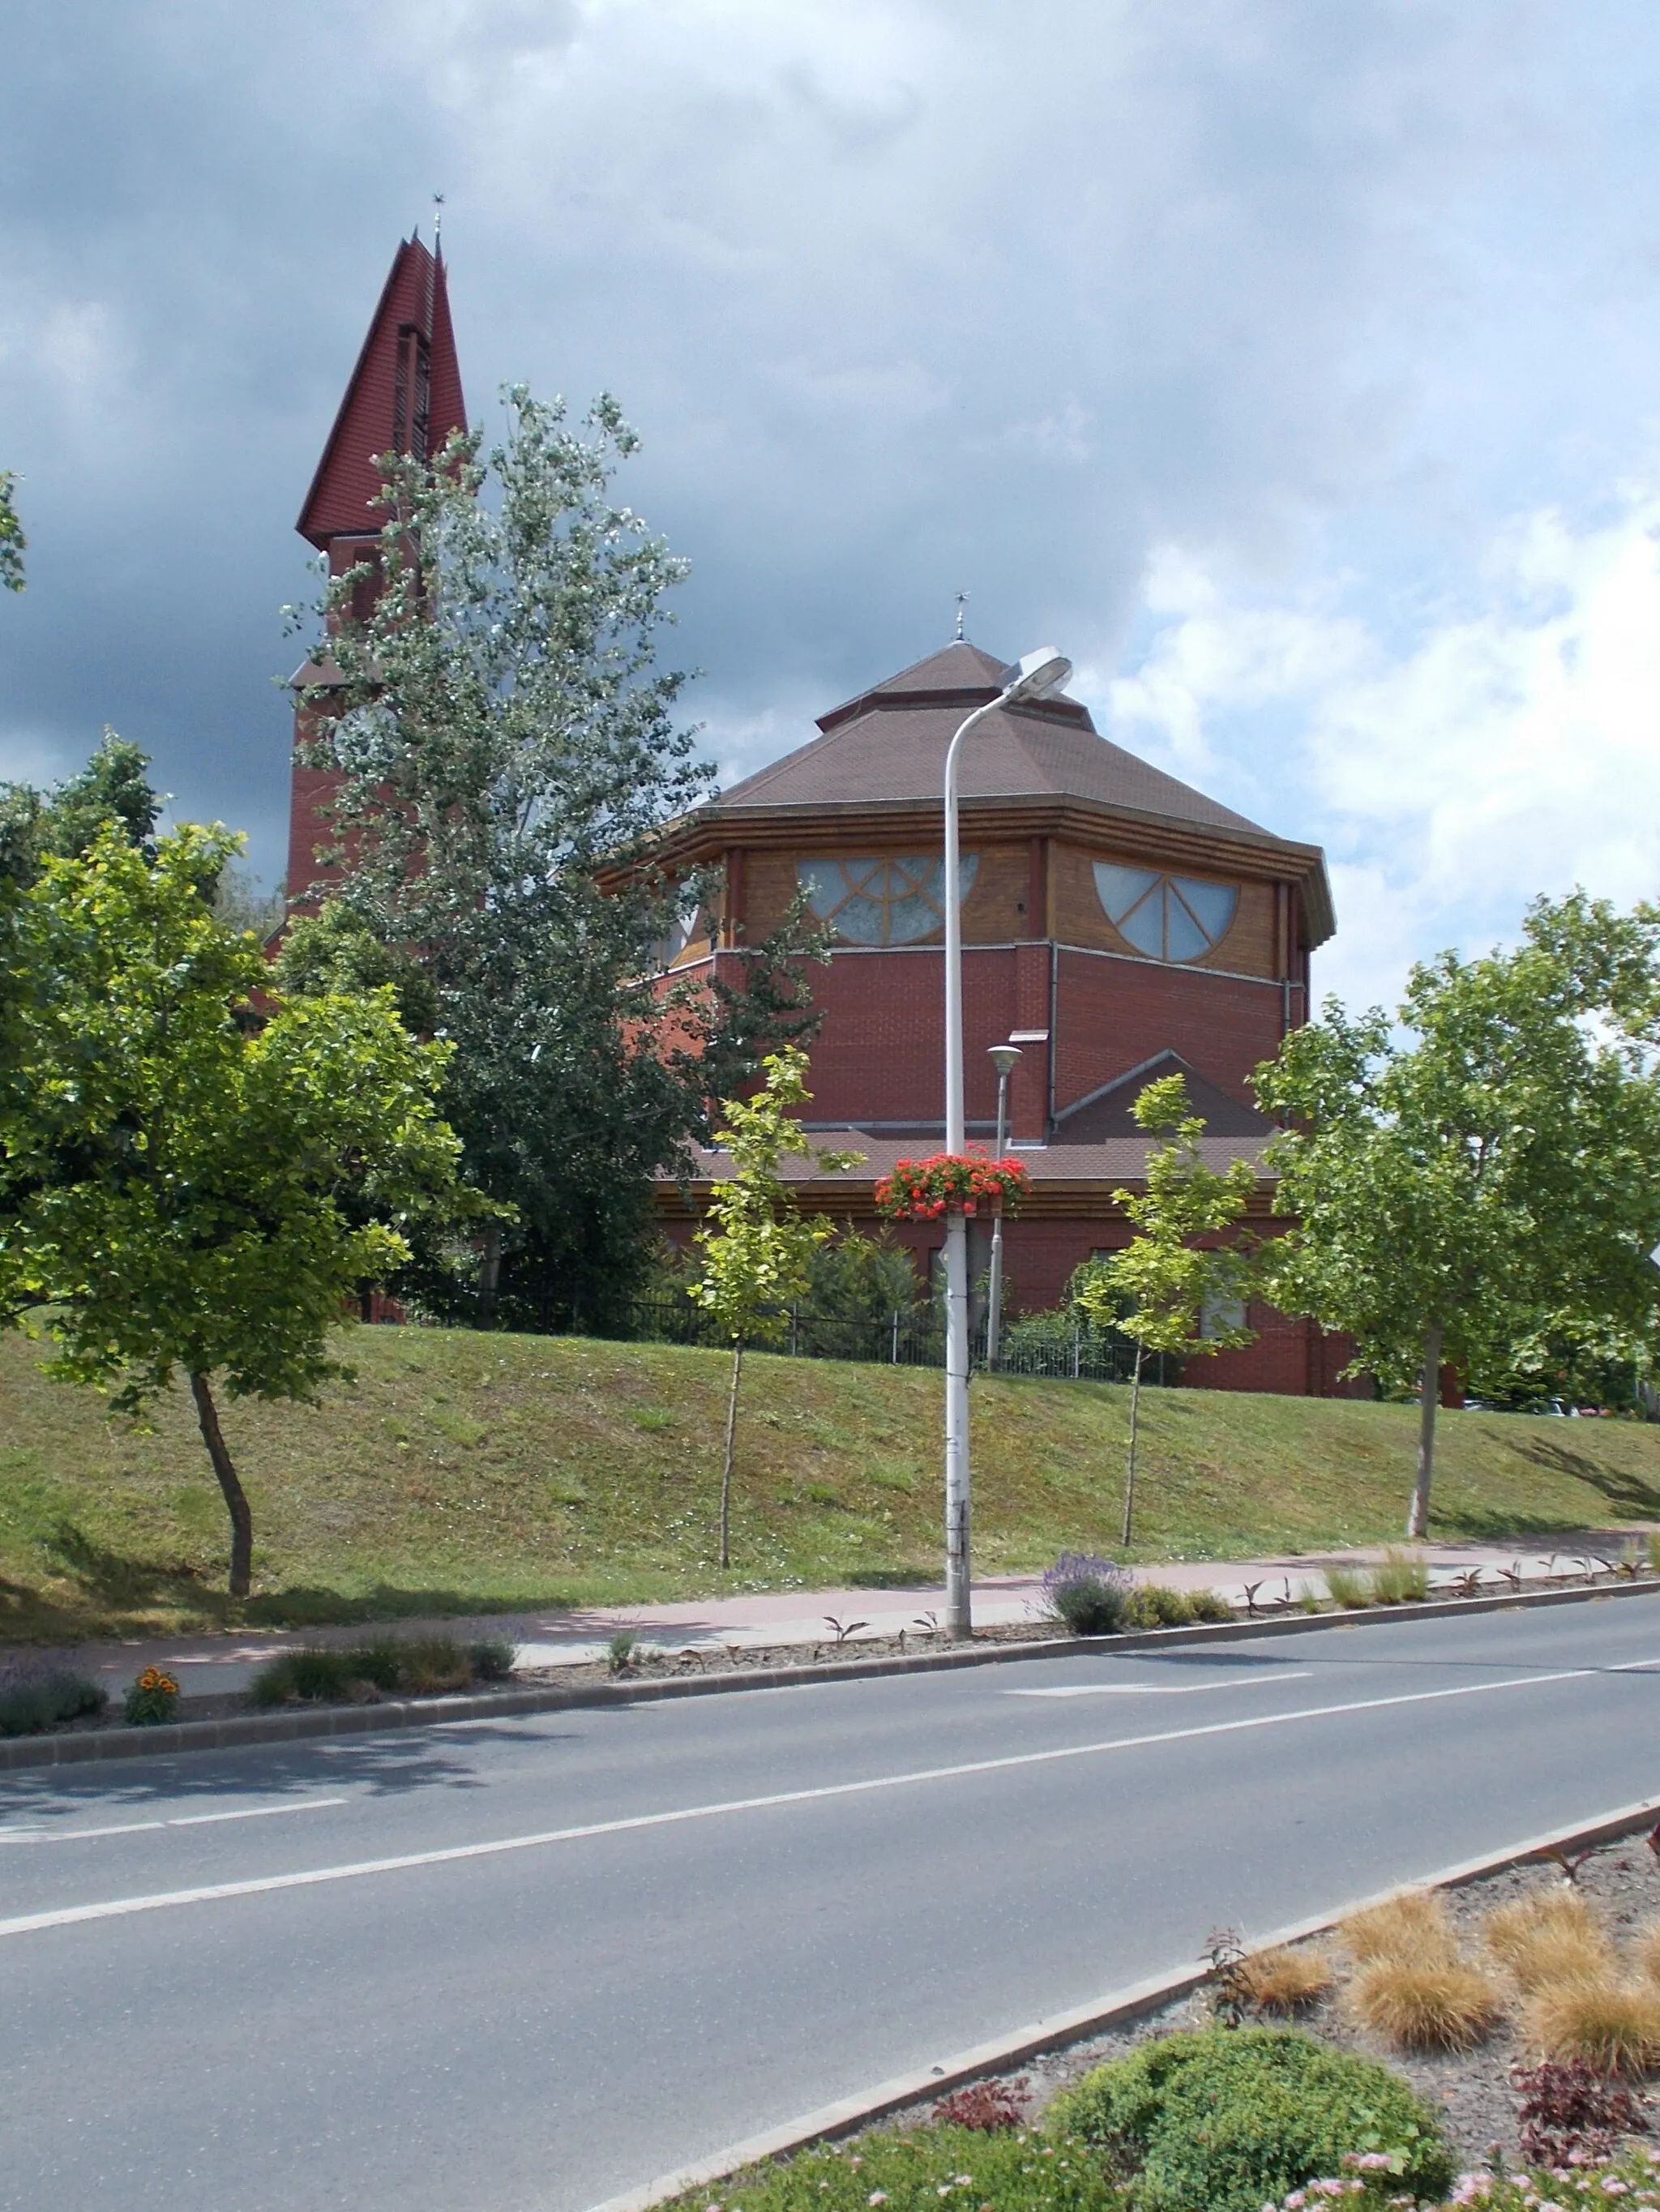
x: 1166, y: 1290
x: 177, y: 1154
x: 1489, y: 1183
x: 13, y: 543
x: 758, y: 1251
x: 510, y: 752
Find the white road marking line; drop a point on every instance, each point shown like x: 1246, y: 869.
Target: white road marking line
x: 139, y: 1827
x: 28, y: 1924
x: 1163, y: 1689
x: 254, y: 1812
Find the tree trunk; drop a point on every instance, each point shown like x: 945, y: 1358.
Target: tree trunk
x: 1418, y: 1520
x: 726, y: 1471
x: 236, y: 1498
x: 489, y: 1274
x: 1129, y: 1473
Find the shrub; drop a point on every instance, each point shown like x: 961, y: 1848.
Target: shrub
x: 153, y: 1699
x: 1089, y: 1595
x: 985, y: 2106
x: 1156, y: 1605
x: 619, y: 1652
x: 1552, y: 1936
x: 1438, y: 2006
x: 926, y: 2169
x: 1568, y: 2111
x: 428, y: 1665
x: 492, y: 1658
x: 1209, y: 1604
x: 1402, y: 1578
x: 1226, y: 2119
x: 389, y: 1665
x: 1613, y: 2025
x: 1281, y: 1980
x: 35, y: 1695
x: 1416, y: 1927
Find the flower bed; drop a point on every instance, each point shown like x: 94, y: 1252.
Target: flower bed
x: 1480, y: 2101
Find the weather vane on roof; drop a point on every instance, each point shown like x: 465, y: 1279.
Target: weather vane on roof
x: 962, y: 601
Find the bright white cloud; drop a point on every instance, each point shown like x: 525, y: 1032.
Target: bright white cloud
x: 1505, y: 747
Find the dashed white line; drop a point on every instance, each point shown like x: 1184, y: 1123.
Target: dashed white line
x: 1163, y: 1689
x: 121, y: 1908
x: 181, y: 1820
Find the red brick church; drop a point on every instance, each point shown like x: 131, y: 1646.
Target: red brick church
x: 1117, y: 925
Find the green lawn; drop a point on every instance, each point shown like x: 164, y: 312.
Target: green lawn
x: 464, y: 1472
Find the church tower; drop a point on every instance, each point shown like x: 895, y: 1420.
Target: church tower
x: 404, y: 397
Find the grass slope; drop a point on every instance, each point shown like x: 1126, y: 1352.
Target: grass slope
x: 464, y: 1472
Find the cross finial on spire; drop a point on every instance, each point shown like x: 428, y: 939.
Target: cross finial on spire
x: 962, y: 601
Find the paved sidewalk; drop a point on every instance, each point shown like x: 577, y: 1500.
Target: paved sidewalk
x: 208, y: 1665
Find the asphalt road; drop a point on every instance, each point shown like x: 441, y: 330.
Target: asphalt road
x: 531, y: 1963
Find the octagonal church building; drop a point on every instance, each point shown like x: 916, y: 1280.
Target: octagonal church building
x: 1117, y: 925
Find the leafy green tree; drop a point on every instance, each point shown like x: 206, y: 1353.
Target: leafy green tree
x: 176, y: 1157
x: 334, y: 950
x: 1483, y: 1182
x: 758, y: 1251
x: 511, y: 753
x: 1168, y: 1290
x: 113, y: 791
x: 13, y: 543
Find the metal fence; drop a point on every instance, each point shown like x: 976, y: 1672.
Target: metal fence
x: 1047, y: 1345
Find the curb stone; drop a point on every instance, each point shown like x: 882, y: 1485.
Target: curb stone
x: 293, y: 1726
x: 1115, y: 2009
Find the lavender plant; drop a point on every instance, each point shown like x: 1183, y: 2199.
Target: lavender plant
x: 1089, y: 1595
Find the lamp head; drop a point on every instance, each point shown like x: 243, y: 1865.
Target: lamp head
x: 1004, y: 1057
x: 1037, y: 674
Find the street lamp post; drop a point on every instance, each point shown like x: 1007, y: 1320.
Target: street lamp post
x: 1005, y: 1058
x: 1036, y: 675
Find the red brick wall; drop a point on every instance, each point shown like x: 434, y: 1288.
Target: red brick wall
x: 1114, y: 1014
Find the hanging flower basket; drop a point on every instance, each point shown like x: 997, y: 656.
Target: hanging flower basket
x: 921, y: 1190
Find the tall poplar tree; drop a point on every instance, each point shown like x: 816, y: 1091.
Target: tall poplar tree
x: 510, y: 752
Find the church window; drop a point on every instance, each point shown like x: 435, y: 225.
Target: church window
x: 882, y: 901
x: 1166, y: 917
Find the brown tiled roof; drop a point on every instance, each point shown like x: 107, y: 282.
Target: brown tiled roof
x: 889, y: 743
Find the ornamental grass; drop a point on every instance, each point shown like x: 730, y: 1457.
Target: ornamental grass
x: 1612, y: 2025
x: 1439, y: 2006
x: 1645, y: 1950
x: 1283, y: 1980
x: 1415, y: 1929
x: 1553, y: 1937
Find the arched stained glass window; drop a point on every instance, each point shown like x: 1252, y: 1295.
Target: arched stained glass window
x: 1166, y: 917
x: 883, y: 901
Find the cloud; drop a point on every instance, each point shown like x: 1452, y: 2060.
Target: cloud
x: 905, y: 295
x: 1456, y: 760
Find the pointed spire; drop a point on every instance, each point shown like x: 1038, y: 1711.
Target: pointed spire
x: 405, y: 396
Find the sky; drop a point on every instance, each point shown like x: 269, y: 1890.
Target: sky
x: 1294, y: 367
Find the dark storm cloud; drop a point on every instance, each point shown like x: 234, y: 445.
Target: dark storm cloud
x: 904, y: 296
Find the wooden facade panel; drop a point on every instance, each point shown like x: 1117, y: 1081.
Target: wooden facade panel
x: 769, y: 886
x: 994, y: 911
x: 1247, y: 949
